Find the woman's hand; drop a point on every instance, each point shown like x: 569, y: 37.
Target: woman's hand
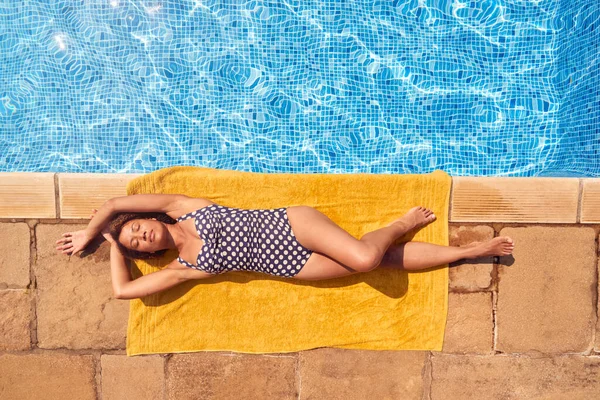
x: 72, y: 242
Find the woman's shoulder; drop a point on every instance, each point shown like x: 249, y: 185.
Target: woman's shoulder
x: 188, y: 205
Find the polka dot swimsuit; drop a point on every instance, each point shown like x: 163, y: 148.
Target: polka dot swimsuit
x: 246, y: 240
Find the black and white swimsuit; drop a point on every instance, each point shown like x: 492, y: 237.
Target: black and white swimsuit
x: 246, y: 240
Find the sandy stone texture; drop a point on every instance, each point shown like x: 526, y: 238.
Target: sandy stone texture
x: 133, y: 378
x: 212, y: 375
x: 597, y: 344
x: 16, y: 312
x: 470, y: 325
x: 14, y: 255
x: 75, y: 304
x: 47, y: 376
x: 474, y: 274
x: 330, y: 373
x: 514, y: 377
x: 546, y: 297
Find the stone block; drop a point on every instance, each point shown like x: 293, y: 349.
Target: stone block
x: 492, y: 199
x: 15, y: 316
x: 210, y: 375
x: 546, y: 297
x: 27, y: 195
x: 330, y: 373
x: 475, y: 274
x: 590, y: 201
x: 49, y: 375
x: 133, y: 378
x: 80, y: 193
x: 470, y: 325
x: 597, y: 344
x: 75, y: 304
x: 514, y: 377
x: 14, y: 255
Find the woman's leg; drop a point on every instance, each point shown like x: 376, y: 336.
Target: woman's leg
x: 410, y: 256
x: 413, y: 256
x: 336, y: 253
x: 315, y: 231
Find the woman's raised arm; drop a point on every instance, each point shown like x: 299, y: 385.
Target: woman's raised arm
x: 101, y: 218
x: 134, y: 203
x: 147, y: 203
x: 72, y: 242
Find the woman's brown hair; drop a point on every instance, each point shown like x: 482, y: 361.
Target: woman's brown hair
x: 116, y: 225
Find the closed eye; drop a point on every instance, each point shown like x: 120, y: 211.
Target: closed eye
x: 131, y: 242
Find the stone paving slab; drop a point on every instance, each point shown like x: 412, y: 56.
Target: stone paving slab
x: 217, y: 375
x: 470, y: 275
x: 16, y: 313
x: 133, y: 378
x: 514, y: 377
x: 470, y: 324
x: 330, y: 373
x: 597, y: 341
x: 14, y: 255
x: 80, y: 193
x: 546, y: 298
x: 75, y: 304
x: 47, y: 376
x: 590, y: 201
x: 27, y: 195
x: 539, y: 200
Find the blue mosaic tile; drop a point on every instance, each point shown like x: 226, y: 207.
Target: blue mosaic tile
x: 486, y: 88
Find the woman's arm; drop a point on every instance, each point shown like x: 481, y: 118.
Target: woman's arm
x: 126, y: 288
x: 134, y: 203
x: 148, y: 203
x: 99, y: 220
x: 119, y: 271
x: 76, y: 241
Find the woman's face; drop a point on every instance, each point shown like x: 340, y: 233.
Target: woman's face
x: 145, y: 235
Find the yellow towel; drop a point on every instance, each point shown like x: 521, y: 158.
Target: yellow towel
x: 250, y: 312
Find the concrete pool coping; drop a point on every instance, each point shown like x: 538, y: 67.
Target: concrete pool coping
x: 472, y: 199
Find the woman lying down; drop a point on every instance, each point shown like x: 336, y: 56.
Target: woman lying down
x: 293, y: 242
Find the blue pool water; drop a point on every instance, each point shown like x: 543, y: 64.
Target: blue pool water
x: 488, y: 88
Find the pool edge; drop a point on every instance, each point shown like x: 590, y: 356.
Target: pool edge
x: 551, y: 200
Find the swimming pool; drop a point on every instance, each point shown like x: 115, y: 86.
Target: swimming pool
x: 487, y: 88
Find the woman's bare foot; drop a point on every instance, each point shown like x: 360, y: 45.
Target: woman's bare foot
x: 498, y: 246
x: 416, y: 217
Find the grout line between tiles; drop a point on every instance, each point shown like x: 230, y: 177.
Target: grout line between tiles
x: 165, y: 359
x: 33, y: 324
x: 450, y: 200
x: 298, y: 375
x: 579, y: 202
x: 56, y: 197
x: 98, y: 364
